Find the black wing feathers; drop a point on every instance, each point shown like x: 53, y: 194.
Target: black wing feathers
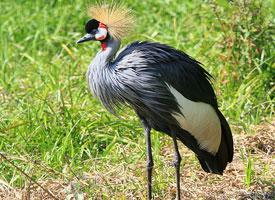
x: 145, y: 68
x: 176, y: 68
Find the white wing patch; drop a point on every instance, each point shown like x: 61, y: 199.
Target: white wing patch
x: 200, y: 120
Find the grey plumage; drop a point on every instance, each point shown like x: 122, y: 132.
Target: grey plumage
x: 137, y: 77
x: 140, y: 71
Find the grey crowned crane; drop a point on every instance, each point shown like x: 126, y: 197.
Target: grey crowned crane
x: 169, y: 91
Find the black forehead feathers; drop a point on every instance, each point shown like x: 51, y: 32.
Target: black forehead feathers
x: 91, y: 24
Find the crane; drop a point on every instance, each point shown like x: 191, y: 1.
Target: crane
x: 169, y: 91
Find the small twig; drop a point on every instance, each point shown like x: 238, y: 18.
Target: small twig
x: 68, y: 163
x: 30, y: 178
x: 3, y: 130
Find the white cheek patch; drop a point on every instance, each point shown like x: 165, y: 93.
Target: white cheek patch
x: 200, y: 120
x: 101, y: 34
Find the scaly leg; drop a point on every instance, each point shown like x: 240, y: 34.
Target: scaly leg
x: 177, y: 161
x: 150, y: 162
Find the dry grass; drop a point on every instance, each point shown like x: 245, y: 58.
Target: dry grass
x: 195, y: 183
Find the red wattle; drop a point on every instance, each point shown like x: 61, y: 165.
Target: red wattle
x: 103, y: 45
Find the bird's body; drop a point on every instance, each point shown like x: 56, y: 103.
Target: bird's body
x: 169, y: 91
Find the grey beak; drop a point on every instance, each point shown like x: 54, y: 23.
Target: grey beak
x: 86, y: 37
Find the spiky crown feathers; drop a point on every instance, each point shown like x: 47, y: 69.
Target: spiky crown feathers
x: 118, y: 19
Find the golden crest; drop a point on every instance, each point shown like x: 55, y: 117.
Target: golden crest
x: 118, y: 19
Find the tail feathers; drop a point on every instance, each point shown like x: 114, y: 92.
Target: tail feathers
x: 227, y: 137
x: 209, y: 162
x: 217, y: 163
x: 210, y: 167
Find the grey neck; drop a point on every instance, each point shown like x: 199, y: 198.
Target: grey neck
x: 99, y: 72
x: 105, y: 56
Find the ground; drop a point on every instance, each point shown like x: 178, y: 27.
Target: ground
x: 195, y: 184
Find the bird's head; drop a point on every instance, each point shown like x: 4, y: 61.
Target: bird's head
x: 108, y: 22
x: 95, y: 30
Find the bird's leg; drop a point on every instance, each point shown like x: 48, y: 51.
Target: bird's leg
x: 177, y: 161
x: 150, y: 163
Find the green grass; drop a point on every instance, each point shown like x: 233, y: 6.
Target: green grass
x: 52, y: 128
